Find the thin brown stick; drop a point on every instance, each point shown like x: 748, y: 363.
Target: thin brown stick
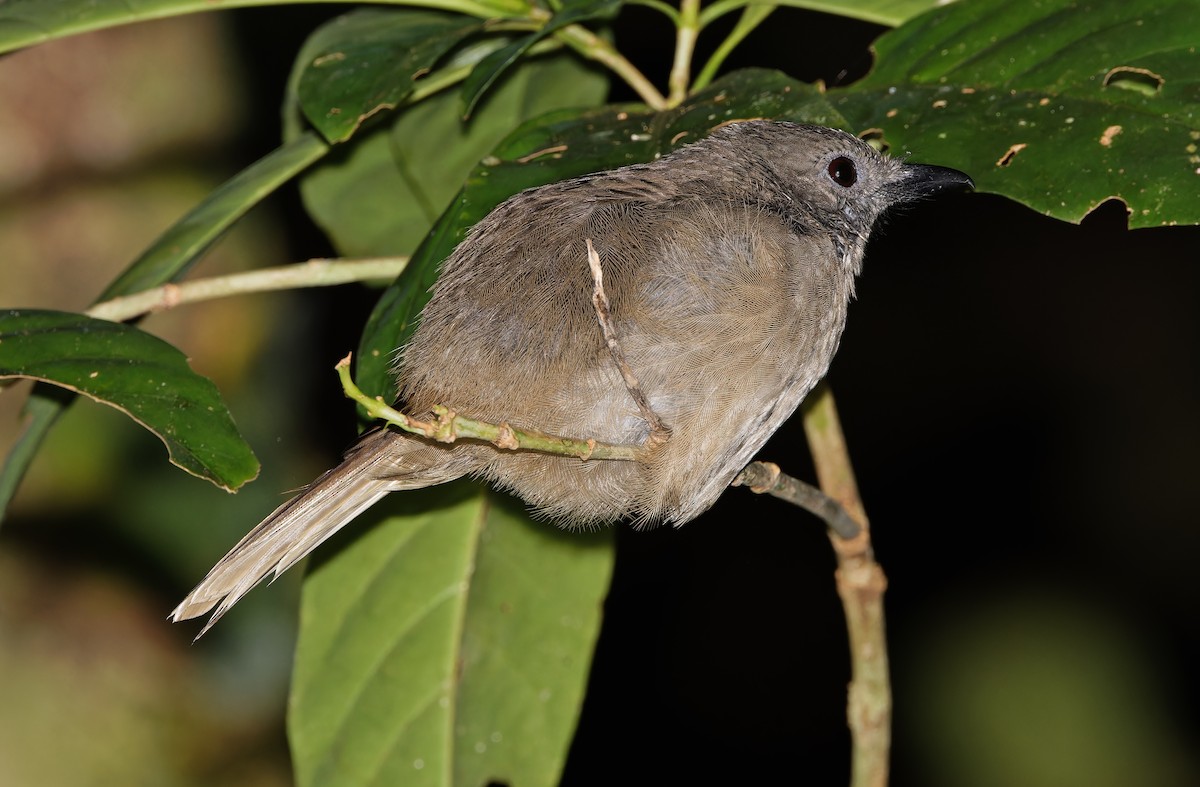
x: 659, y: 432
x: 861, y: 584
x: 765, y: 478
x: 314, y: 273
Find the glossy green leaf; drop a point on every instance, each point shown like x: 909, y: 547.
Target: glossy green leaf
x: 382, y: 193
x: 28, y: 22
x: 368, y: 61
x: 563, y: 145
x: 425, y: 659
x: 485, y: 74
x: 1057, y: 104
x: 881, y: 12
x: 136, y: 373
x: 491, y: 67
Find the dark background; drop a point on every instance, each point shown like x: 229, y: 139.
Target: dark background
x: 1021, y: 398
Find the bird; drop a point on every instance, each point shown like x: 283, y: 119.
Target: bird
x: 728, y: 265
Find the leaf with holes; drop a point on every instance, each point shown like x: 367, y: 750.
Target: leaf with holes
x: 1055, y: 104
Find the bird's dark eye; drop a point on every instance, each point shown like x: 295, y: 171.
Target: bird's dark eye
x: 843, y: 172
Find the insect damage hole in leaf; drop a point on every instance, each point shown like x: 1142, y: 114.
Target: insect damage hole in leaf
x: 1011, y: 154
x: 1139, y: 80
x: 874, y: 137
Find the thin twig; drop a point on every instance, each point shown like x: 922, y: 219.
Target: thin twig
x: 450, y: 427
x: 715, y: 11
x: 766, y: 478
x: 593, y: 47
x: 752, y: 16
x: 314, y: 273
x: 861, y: 584
x: 659, y: 432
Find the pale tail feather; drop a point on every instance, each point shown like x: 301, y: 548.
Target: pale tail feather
x: 379, y: 465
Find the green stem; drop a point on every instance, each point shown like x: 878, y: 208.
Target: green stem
x: 450, y: 426
x: 593, y: 47
x: 40, y: 413
x: 686, y: 33
x: 523, y: 25
x: 752, y: 17
x: 722, y: 7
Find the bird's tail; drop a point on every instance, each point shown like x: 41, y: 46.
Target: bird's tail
x: 382, y: 462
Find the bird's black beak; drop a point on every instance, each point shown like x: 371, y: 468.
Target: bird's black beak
x: 926, y: 180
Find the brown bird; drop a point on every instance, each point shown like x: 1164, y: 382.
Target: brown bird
x: 729, y: 265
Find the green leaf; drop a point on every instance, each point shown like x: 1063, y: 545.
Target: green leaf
x: 563, y: 145
x: 425, y: 659
x: 881, y: 12
x: 490, y: 68
x: 137, y: 373
x: 485, y: 74
x: 382, y: 193
x: 1056, y: 104
x: 369, y: 61
x: 28, y: 22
